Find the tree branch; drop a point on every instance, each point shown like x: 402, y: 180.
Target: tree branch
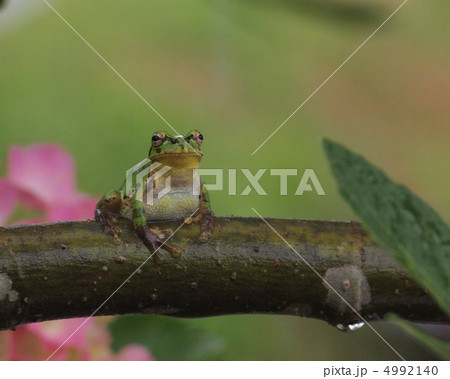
x: 64, y: 270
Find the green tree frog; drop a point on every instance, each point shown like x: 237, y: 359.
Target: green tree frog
x: 181, y: 154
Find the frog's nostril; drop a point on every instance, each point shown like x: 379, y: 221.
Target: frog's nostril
x: 176, y: 139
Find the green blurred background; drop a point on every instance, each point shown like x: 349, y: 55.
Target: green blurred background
x: 236, y: 69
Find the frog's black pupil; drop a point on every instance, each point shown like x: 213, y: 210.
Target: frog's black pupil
x: 200, y: 136
x: 155, y: 138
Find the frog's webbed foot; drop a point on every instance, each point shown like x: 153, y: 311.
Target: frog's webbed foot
x: 152, y: 241
x: 205, y: 217
x: 107, y: 212
x: 190, y: 219
x: 161, y: 233
x: 107, y: 221
x: 206, y: 225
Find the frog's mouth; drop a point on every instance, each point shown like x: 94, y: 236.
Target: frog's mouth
x: 183, y: 153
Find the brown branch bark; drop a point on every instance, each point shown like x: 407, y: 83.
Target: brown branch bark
x: 65, y: 270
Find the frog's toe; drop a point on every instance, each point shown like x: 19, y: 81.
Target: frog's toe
x: 107, y: 222
x: 174, y: 251
x: 153, y: 242
x: 161, y: 233
x: 158, y: 233
x: 116, y: 230
x: 116, y: 240
x: 205, y: 236
x: 158, y: 258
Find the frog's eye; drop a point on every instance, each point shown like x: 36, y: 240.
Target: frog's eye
x: 158, y: 139
x: 197, y: 137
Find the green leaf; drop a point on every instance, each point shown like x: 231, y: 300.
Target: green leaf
x: 167, y: 338
x: 407, y: 227
x: 439, y: 347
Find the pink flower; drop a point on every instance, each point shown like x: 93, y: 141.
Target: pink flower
x: 39, y: 341
x: 134, y: 353
x: 42, y: 178
x: 8, y: 202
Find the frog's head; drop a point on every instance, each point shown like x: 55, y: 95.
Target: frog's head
x: 176, y: 149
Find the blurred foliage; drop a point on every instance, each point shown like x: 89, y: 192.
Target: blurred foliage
x: 167, y: 338
x: 408, y: 228
x: 437, y: 346
x: 236, y: 69
x: 353, y: 11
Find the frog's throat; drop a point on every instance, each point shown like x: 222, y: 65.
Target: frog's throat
x: 188, y: 160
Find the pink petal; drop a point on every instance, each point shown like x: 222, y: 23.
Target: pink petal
x: 23, y: 345
x: 31, y: 200
x: 45, y: 171
x: 134, y: 353
x: 8, y: 197
x: 79, y: 208
x: 54, y: 333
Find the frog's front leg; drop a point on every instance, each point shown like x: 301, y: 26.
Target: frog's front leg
x: 107, y: 213
x: 148, y: 237
x: 207, y: 217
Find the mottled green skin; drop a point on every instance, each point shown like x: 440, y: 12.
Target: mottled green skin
x: 182, y: 154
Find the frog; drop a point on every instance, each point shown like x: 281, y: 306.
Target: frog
x: 176, y: 157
